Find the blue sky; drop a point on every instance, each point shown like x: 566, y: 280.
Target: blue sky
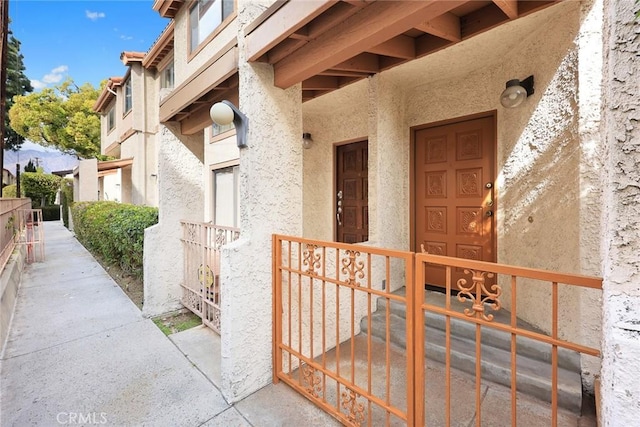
x: 81, y: 39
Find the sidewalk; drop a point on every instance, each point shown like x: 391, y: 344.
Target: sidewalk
x: 80, y: 352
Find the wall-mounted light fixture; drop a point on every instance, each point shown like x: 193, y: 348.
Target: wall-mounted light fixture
x: 224, y: 112
x: 307, y: 142
x: 516, y: 92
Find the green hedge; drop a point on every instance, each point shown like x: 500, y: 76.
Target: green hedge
x: 50, y: 213
x: 114, y: 230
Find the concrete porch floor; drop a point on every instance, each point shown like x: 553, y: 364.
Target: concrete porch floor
x: 78, y: 346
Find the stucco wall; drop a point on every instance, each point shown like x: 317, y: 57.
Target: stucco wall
x: 547, y: 149
x: 271, y: 194
x: 180, y: 178
x: 621, y: 234
x: 86, y: 181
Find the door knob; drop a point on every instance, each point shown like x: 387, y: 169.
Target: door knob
x: 489, y: 213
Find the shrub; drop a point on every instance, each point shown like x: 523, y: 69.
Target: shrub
x: 51, y: 213
x: 40, y: 187
x: 9, y: 191
x: 114, y: 230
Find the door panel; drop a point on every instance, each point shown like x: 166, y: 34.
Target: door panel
x: 352, y: 210
x: 454, y: 203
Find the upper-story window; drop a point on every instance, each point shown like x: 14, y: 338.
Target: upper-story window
x: 205, y: 16
x: 128, y: 100
x: 111, y: 118
x: 167, y: 76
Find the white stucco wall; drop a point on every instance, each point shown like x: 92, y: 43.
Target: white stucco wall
x: 271, y: 194
x: 621, y: 233
x: 85, y: 182
x: 180, y: 179
x: 547, y: 149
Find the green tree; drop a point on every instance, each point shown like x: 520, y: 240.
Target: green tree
x: 40, y: 187
x: 30, y: 167
x: 60, y: 117
x: 17, y: 84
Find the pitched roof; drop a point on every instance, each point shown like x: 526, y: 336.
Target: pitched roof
x: 128, y: 58
x: 107, y: 93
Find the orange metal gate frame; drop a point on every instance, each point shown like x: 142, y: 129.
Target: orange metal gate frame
x: 304, y: 269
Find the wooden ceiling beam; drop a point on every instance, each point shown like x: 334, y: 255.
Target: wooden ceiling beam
x: 332, y: 17
x: 481, y: 20
x: 509, y: 7
x: 445, y: 26
x: 284, y: 49
x: 286, y: 20
x: 427, y: 44
x: 372, y: 26
x: 398, y: 47
x: 366, y: 63
x: 321, y: 83
x: 343, y: 73
x: 199, y: 117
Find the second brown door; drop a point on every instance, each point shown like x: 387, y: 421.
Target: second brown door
x: 352, y: 209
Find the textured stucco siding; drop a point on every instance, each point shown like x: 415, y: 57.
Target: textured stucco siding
x: 86, y: 181
x: 621, y: 242
x: 107, y: 138
x: 180, y: 178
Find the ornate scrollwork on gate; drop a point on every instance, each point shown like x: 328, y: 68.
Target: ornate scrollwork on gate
x: 352, y: 267
x: 192, y: 232
x: 220, y: 238
x: 478, y: 293
x: 311, y: 380
x: 311, y: 259
x: 355, y: 410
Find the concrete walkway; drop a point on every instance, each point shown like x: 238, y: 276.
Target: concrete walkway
x: 79, y: 352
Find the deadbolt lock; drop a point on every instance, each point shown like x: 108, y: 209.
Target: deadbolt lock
x: 489, y: 185
x: 489, y: 213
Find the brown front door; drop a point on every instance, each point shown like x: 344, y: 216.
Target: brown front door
x: 352, y: 209
x: 454, y: 203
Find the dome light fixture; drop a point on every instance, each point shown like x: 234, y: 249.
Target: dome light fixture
x: 516, y: 92
x: 307, y: 142
x: 224, y: 112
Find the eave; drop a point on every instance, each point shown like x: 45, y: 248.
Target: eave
x: 327, y: 44
x: 167, y: 8
x: 161, y: 48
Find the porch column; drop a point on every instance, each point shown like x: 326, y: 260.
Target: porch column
x: 181, y: 197
x: 388, y: 165
x: 87, y: 181
x: 621, y: 297
x: 270, y: 202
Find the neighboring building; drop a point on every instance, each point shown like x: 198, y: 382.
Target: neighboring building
x: 8, y: 178
x: 128, y: 133
x: 380, y: 86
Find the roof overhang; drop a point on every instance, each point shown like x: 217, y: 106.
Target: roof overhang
x: 129, y: 58
x: 161, y: 48
x: 107, y: 94
x: 327, y: 44
x: 114, y: 164
x: 216, y: 80
x: 167, y: 8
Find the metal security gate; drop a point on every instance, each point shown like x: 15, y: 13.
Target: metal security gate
x: 356, y: 333
x: 201, y: 275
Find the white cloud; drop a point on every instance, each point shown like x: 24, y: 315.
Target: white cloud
x: 94, y: 16
x: 37, y: 84
x: 123, y: 37
x: 54, y: 76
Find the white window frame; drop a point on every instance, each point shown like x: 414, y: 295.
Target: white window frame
x: 128, y: 97
x: 111, y: 119
x: 234, y: 166
x: 165, y: 82
x: 205, y: 16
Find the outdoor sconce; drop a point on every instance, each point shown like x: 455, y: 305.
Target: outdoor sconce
x: 224, y: 112
x: 516, y: 92
x: 306, y: 140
